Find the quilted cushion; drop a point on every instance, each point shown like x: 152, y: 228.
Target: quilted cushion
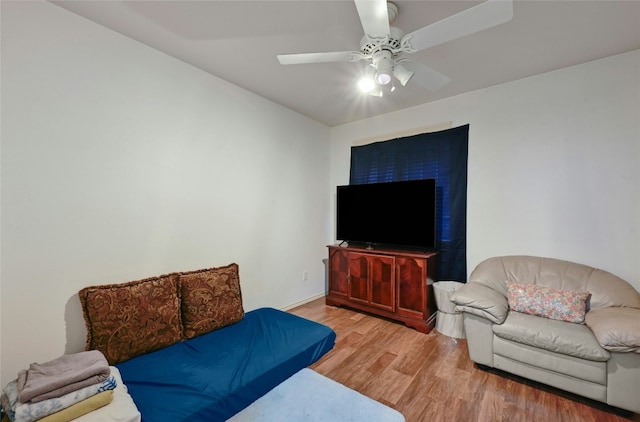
x: 211, y: 299
x: 128, y: 319
x: 563, y: 305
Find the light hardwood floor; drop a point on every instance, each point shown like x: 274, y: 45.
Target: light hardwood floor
x: 429, y: 377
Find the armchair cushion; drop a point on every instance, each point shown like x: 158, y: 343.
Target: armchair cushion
x: 553, y: 335
x: 481, y: 300
x: 616, y: 328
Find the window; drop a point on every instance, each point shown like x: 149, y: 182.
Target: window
x: 437, y: 155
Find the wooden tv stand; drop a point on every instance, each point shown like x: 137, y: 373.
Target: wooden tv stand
x: 396, y: 284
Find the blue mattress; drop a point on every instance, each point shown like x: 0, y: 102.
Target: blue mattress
x: 214, y: 376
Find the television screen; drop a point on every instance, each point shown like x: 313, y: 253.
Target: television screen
x: 401, y: 214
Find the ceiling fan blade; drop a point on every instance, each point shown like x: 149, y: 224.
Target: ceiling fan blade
x: 374, y: 17
x: 475, y: 19
x: 304, y: 58
x: 426, y: 77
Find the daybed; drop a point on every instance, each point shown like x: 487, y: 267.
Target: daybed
x: 560, y: 323
x: 187, y: 351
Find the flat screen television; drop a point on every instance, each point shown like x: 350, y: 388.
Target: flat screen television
x: 391, y: 214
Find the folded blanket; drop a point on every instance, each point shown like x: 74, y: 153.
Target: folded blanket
x: 81, y: 408
x: 121, y: 409
x: 63, y: 375
x: 30, y: 412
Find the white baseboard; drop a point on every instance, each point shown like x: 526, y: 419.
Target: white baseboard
x: 302, y: 302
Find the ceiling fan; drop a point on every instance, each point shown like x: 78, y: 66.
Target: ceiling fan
x: 385, y: 47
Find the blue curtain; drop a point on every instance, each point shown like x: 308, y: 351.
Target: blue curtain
x: 437, y: 155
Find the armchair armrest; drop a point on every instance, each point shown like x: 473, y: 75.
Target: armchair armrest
x: 616, y: 328
x: 480, y: 300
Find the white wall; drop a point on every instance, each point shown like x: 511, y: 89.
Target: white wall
x: 119, y: 163
x: 554, y: 163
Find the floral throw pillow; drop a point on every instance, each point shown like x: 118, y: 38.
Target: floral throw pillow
x: 547, y: 302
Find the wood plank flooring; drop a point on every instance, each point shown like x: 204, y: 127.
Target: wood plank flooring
x: 429, y: 377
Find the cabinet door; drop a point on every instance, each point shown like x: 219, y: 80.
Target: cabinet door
x: 372, y: 280
x: 412, y: 286
x: 382, y: 281
x: 338, y: 272
x: 359, y: 277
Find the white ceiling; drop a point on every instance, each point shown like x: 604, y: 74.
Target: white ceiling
x: 238, y: 41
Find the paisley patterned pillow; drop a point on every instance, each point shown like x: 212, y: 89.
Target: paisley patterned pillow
x: 211, y: 299
x: 128, y: 319
x: 547, y: 302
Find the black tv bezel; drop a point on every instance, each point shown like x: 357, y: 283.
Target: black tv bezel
x: 376, y: 242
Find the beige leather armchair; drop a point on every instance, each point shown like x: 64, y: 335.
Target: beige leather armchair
x: 597, y: 357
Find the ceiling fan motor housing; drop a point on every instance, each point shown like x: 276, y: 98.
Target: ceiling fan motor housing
x: 370, y: 45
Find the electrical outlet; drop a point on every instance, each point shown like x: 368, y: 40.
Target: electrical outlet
x: 305, y: 276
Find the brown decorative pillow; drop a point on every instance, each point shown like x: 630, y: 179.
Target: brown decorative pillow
x: 211, y: 299
x: 129, y: 319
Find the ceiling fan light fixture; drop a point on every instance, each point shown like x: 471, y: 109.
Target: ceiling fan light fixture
x: 383, y: 62
x: 366, y: 84
x: 402, y: 74
x: 376, y: 92
x: 383, y: 78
